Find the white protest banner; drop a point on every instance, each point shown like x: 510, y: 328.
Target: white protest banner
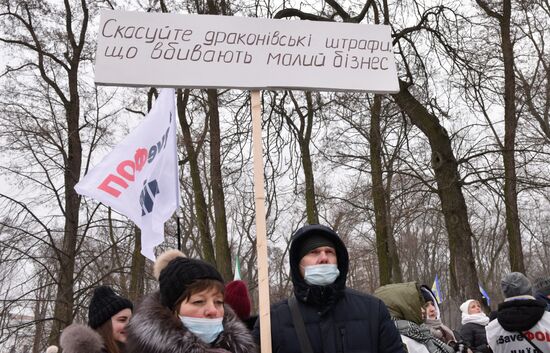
x: 139, y: 178
x: 205, y: 51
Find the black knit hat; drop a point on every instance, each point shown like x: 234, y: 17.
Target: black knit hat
x: 313, y: 241
x: 178, y: 274
x: 105, y: 304
x: 427, y: 294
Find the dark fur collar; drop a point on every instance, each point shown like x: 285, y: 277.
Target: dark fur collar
x: 154, y: 328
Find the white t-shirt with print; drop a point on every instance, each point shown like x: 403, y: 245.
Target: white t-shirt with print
x: 502, y: 341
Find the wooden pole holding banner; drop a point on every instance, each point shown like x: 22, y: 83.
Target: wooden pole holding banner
x: 261, y: 237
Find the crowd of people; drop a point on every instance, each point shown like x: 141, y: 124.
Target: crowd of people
x: 195, y: 312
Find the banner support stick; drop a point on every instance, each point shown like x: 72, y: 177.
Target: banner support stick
x: 261, y: 237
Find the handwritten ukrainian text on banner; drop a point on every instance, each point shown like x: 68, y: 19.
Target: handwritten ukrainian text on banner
x: 173, y: 50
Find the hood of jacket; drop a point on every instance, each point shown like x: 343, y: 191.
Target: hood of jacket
x: 543, y: 299
x: 78, y: 338
x: 320, y: 296
x: 404, y: 301
x: 154, y: 328
x: 519, y: 314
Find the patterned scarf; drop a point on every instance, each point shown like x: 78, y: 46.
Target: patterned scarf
x: 422, y: 335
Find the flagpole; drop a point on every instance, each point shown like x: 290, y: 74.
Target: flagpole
x: 179, y: 233
x: 261, y: 237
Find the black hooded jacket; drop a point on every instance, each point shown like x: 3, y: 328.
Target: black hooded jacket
x: 519, y: 315
x: 337, y: 319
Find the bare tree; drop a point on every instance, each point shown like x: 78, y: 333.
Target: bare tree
x: 58, y: 68
x: 504, y: 20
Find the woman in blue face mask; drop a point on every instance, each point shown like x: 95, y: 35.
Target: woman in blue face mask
x: 187, y: 314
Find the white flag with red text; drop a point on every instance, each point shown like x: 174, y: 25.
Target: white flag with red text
x: 139, y: 178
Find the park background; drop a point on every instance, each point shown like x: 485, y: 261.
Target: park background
x: 447, y: 177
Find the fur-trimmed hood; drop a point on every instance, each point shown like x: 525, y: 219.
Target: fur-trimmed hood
x: 78, y: 338
x: 154, y: 328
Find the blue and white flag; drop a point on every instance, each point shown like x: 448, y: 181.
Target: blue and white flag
x: 139, y: 178
x: 436, y: 289
x: 485, y: 295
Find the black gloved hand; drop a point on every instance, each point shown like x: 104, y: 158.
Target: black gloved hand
x: 459, y: 347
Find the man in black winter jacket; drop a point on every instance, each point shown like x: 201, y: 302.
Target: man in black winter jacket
x: 336, y: 319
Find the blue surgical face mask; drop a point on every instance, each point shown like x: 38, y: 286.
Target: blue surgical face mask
x: 321, y: 275
x: 205, y: 329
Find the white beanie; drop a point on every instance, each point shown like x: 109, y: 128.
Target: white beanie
x: 52, y: 349
x: 464, y: 306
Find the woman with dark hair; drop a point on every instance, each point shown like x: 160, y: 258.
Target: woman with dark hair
x: 188, y: 313
x: 108, y: 315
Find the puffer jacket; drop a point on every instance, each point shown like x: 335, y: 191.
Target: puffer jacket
x: 155, y: 329
x: 78, y: 338
x: 337, y: 319
x: 475, y: 337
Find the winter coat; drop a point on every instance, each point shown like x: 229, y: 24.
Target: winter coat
x: 404, y: 302
x: 543, y: 298
x: 337, y: 319
x: 249, y: 323
x: 515, y: 315
x: 155, y: 329
x: 475, y: 337
x: 78, y: 338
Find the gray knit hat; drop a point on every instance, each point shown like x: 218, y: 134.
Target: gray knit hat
x: 515, y: 284
x: 542, y: 286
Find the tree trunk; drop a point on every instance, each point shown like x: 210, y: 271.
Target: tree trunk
x: 303, y: 136
x: 223, y: 254
x: 462, y: 265
x: 304, y: 139
x: 64, y: 301
x: 510, y: 126
x: 311, y: 206
x: 387, y: 258
x: 137, y: 270
x: 201, y: 208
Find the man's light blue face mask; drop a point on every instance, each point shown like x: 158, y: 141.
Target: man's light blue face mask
x: 321, y: 275
x: 205, y: 329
